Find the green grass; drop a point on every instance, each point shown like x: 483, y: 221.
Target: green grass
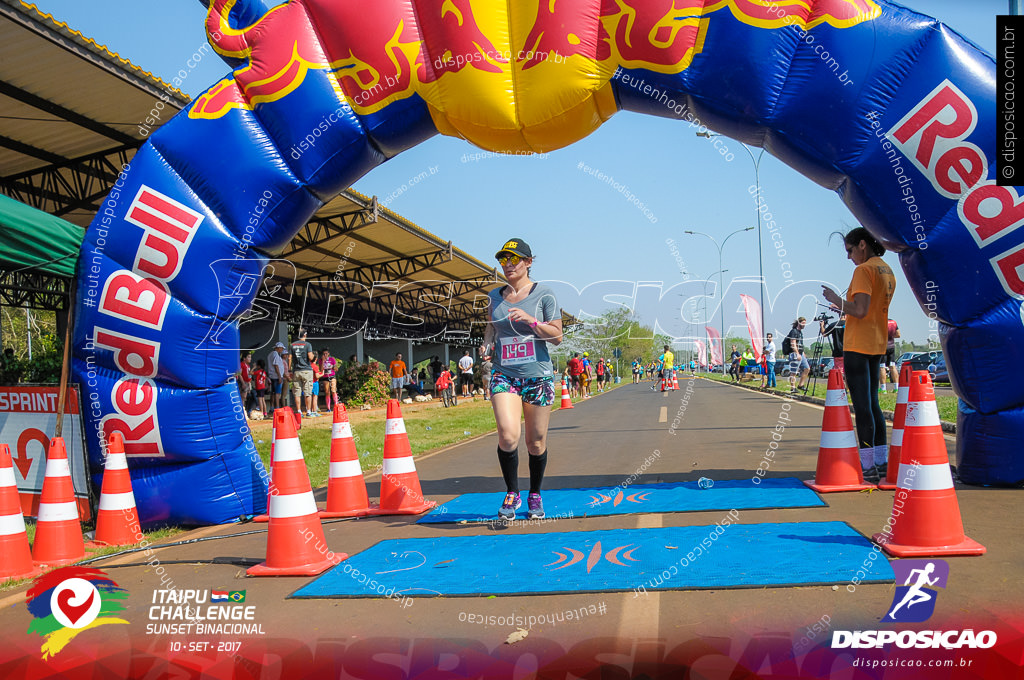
x: 448, y: 426
x: 945, y: 403
x: 153, y: 537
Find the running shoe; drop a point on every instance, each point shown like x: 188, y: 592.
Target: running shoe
x: 536, y: 507
x: 871, y: 475
x: 883, y: 470
x: 512, y: 503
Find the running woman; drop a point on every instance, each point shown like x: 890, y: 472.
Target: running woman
x: 524, y: 319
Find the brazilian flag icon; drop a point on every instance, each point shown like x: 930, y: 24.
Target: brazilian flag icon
x: 237, y: 596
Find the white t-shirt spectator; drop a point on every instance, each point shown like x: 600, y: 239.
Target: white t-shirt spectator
x: 769, y: 349
x: 276, y: 368
x: 466, y: 365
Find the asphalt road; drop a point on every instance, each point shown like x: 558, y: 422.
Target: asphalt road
x: 720, y: 432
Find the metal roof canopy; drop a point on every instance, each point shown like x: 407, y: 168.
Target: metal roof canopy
x: 71, y: 113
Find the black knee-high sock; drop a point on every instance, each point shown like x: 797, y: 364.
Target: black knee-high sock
x: 537, y: 465
x: 509, y: 461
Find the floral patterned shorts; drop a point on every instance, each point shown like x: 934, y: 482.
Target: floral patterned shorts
x: 534, y: 391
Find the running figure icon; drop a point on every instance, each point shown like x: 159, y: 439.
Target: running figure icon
x: 916, y: 594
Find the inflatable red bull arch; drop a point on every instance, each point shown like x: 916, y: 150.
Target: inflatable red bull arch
x: 887, y: 107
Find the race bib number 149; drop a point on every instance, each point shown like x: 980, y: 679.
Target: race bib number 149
x: 517, y: 350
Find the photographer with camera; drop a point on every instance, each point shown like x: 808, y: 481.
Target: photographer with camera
x: 793, y: 348
x: 867, y: 309
x: 835, y: 332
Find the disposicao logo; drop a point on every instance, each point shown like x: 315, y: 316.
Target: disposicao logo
x: 914, y: 601
x: 68, y: 601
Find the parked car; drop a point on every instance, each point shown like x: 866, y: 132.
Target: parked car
x: 824, y: 366
x: 905, y: 356
x: 934, y: 362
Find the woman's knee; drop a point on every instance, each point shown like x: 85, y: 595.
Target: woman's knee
x: 508, y: 442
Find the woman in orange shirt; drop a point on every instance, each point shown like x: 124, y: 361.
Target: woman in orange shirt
x: 866, y: 306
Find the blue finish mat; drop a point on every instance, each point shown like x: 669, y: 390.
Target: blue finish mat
x: 741, y: 494
x: 722, y: 555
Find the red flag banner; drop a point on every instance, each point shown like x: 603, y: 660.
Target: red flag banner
x: 753, y: 312
x: 715, y: 342
x: 702, y: 353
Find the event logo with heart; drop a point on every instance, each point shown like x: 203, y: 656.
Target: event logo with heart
x: 69, y: 601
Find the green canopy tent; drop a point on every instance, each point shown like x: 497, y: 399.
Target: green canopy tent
x: 38, y: 256
x: 37, y: 242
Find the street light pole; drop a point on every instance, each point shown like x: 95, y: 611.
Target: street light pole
x: 706, y: 282
x: 721, y: 280
x: 757, y: 183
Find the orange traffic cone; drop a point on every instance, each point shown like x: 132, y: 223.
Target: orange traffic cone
x: 400, y: 492
x: 15, y: 556
x: 58, y: 533
x: 566, y: 399
x: 295, y: 538
x: 925, y: 519
x: 838, y: 459
x: 117, y: 522
x: 892, y: 466
x: 675, y: 381
x: 346, y: 490
x: 273, y: 437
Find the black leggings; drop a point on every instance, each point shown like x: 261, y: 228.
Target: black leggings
x: 862, y: 377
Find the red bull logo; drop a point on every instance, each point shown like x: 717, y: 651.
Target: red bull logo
x: 381, y: 52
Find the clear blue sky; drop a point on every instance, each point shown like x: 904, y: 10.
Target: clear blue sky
x: 582, y: 230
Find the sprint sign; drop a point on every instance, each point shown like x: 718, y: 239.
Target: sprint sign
x: 517, y: 350
x: 28, y: 418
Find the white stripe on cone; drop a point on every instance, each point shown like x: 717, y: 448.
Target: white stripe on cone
x: 57, y: 512
x: 293, y: 505
x: 287, y: 449
x: 835, y: 398
x: 903, y: 395
x: 922, y: 414
x: 345, y: 468
x: 116, y: 461
x: 117, y: 501
x: 394, y: 426
x: 897, y: 437
x: 57, y: 467
x: 399, y: 466
x: 7, y: 477
x: 925, y: 477
x: 341, y: 430
x: 837, y: 440
x: 12, y: 524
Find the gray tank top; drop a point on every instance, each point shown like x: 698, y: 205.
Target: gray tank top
x: 518, y: 353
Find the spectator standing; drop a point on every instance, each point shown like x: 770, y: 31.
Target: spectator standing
x: 486, y: 367
x: 397, y: 370
x: 866, y: 306
x: 317, y: 375
x: 245, y: 379
x: 260, y: 380
x: 302, y: 373
x: 466, y: 374
x: 329, y: 380
x: 574, y: 367
x: 435, y: 368
x: 749, y: 361
x: 793, y: 347
x: 602, y: 373
x: 586, y: 376
x: 769, y: 352
x: 277, y: 371
x: 889, y: 361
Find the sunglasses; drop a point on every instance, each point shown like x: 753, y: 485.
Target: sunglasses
x: 509, y: 259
